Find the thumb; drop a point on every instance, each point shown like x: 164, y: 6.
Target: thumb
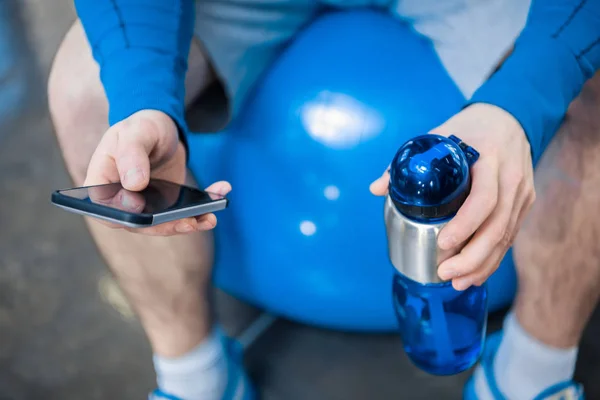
x: 380, y: 186
x: 133, y: 162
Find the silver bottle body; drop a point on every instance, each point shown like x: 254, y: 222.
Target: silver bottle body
x: 412, y: 246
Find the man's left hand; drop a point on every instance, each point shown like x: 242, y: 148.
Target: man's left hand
x: 502, y: 193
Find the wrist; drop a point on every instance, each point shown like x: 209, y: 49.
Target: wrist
x: 149, y: 102
x: 166, y: 123
x: 480, y: 117
x: 496, y: 117
x: 486, y: 127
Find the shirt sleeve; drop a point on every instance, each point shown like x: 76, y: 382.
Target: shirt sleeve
x: 556, y: 53
x: 142, y: 48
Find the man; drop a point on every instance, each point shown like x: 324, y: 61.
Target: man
x: 141, y: 50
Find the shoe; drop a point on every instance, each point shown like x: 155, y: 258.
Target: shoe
x: 568, y: 390
x: 238, y: 383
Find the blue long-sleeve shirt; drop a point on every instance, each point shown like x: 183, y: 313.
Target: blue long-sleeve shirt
x: 556, y: 53
x: 142, y: 48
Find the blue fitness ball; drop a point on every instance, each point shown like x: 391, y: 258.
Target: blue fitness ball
x: 303, y: 236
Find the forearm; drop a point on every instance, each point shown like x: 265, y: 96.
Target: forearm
x: 142, y: 49
x: 557, y: 52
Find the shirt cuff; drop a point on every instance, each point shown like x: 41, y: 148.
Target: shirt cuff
x: 535, y: 85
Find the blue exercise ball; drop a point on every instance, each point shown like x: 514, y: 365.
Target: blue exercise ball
x: 303, y: 237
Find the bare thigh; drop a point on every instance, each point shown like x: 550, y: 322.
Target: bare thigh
x: 78, y: 105
x: 165, y: 279
x: 557, y: 252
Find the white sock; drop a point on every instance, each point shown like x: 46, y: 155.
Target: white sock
x: 524, y: 367
x: 481, y: 385
x: 200, y: 374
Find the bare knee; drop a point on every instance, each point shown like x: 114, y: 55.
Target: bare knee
x: 563, y: 226
x: 77, y: 104
x: 557, y: 251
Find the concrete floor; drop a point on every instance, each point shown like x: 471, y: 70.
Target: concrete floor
x: 64, y: 331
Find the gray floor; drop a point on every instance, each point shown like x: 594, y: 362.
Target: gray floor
x: 65, y: 333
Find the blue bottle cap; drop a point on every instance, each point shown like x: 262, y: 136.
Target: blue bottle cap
x: 429, y: 177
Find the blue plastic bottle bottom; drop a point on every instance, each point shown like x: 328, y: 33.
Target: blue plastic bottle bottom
x: 442, y: 329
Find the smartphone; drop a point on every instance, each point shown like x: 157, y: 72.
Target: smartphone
x: 160, y: 202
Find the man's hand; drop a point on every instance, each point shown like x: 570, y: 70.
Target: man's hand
x: 142, y: 146
x: 501, y: 194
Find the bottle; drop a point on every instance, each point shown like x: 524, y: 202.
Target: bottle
x: 442, y: 329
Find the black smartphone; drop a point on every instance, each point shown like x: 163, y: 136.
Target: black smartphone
x: 160, y: 202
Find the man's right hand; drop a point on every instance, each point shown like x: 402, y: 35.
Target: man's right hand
x: 145, y: 145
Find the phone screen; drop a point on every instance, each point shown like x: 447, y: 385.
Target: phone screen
x: 160, y: 196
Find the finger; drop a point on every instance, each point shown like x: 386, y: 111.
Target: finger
x: 494, y: 232
x: 490, y: 265
x: 102, y: 168
x: 133, y: 164
x: 480, y: 276
x: 380, y: 186
x: 180, y: 227
x: 206, y: 222
x: 197, y: 224
x: 221, y: 188
x: 478, y: 206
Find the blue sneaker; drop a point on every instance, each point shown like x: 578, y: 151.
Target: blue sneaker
x: 238, y: 383
x: 568, y: 390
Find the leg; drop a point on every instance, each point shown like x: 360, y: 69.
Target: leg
x: 164, y: 278
x: 557, y: 257
x: 557, y: 252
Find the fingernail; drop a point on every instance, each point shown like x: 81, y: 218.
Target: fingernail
x: 447, y: 242
x: 462, y: 284
x: 448, y: 273
x: 212, y: 219
x: 132, y: 176
x: 210, y: 222
x: 184, y: 228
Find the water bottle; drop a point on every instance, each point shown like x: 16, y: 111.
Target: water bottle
x: 442, y: 329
